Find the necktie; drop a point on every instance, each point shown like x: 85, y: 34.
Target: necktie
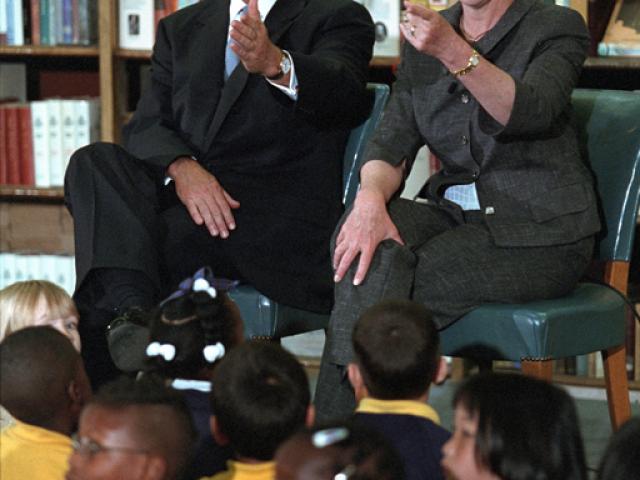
x: 230, y: 58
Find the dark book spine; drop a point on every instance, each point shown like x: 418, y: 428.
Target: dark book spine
x: 27, y: 171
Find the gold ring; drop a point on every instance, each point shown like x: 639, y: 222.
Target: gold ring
x: 412, y: 30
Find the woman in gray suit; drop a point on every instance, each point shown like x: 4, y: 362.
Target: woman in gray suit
x: 486, y: 85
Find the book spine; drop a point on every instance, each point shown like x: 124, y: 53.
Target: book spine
x: 35, y: 22
x: 45, y: 37
x: 40, y: 133
x: 75, y: 22
x: 8, y: 266
x: 13, y: 150
x: 610, y: 49
x: 15, y: 23
x: 27, y: 173
x: 56, y: 160
x: 66, y: 21
x: 54, y: 11
x: 3, y: 22
x: 3, y: 145
x: 69, y: 128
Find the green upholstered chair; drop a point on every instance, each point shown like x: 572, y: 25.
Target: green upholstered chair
x: 592, y: 317
x: 267, y: 319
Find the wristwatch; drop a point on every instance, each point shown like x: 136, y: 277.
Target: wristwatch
x: 474, y: 59
x: 285, y: 66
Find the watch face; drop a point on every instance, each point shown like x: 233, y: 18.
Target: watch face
x: 285, y: 64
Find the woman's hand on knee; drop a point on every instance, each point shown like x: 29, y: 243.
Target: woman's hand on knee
x: 367, y: 225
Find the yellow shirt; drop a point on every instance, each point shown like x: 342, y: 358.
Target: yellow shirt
x: 245, y: 471
x: 398, y: 407
x: 34, y: 453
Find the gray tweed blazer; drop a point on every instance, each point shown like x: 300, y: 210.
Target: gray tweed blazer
x: 532, y: 184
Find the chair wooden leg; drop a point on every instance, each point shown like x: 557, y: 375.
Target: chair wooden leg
x: 615, y: 374
x: 542, y: 369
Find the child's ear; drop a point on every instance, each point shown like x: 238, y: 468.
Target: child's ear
x: 355, y: 378
x: 441, y: 372
x: 218, y: 435
x: 311, y: 416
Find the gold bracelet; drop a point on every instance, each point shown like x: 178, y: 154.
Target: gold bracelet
x: 473, y: 62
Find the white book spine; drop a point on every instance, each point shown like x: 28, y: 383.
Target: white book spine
x: 7, y: 269
x: 40, y: 131
x: 136, y: 24
x: 33, y: 267
x: 21, y: 268
x: 47, y: 268
x: 15, y: 24
x: 69, y: 144
x: 71, y: 275
x: 56, y: 159
x: 386, y: 18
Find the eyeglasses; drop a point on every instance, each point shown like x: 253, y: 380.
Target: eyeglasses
x: 88, y: 447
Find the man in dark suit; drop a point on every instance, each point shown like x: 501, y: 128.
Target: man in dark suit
x: 240, y: 173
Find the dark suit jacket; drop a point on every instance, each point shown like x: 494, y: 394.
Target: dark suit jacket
x: 279, y: 158
x: 531, y: 182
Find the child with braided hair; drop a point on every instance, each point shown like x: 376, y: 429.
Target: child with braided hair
x: 188, y: 333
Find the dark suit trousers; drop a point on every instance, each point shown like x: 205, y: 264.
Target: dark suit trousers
x: 449, y: 266
x: 126, y: 219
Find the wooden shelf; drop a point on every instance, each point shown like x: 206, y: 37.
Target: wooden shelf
x: 47, y: 51
x: 615, y: 63
x: 19, y: 192
x: 125, y: 53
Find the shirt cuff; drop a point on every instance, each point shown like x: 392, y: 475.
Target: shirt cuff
x: 292, y: 90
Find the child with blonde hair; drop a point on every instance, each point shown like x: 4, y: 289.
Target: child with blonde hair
x: 38, y: 302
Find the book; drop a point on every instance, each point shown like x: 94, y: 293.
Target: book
x: 622, y: 36
x: 45, y: 36
x: 13, y: 81
x: 87, y: 121
x: 7, y: 269
x: 12, y: 138
x: 27, y: 173
x: 35, y: 22
x: 15, y: 22
x: 65, y: 20
x: 54, y: 11
x: 3, y: 22
x: 69, y: 127
x: 86, y: 30
x: 136, y: 24
x: 56, y: 159
x: 40, y: 133
x: 3, y: 146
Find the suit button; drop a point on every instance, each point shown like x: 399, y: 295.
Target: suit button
x: 464, y: 140
x: 464, y: 98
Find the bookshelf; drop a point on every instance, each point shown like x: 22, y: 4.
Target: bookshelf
x: 113, y: 66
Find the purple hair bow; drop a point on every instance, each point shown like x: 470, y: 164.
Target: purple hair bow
x: 203, y: 280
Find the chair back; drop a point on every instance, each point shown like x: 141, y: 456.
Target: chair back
x: 608, y: 124
x: 358, y: 139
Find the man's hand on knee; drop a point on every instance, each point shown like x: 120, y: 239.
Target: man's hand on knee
x: 367, y: 225
x: 207, y: 202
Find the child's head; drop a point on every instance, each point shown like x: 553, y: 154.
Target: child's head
x: 191, y: 332
x: 42, y: 379
x: 397, y: 353
x: 260, y: 396
x: 342, y: 451
x: 133, y: 430
x: 513, y: 427
x: 621, y: 460
x: 38, y: 302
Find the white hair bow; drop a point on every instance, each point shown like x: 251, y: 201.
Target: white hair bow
x: 165, y: 350
x: 202, y: 285
x: 213, y: 352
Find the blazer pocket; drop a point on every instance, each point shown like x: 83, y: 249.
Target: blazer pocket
x: 560, y: 201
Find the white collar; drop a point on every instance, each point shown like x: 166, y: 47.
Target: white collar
x: 185, y: 384
x: 264, y: 6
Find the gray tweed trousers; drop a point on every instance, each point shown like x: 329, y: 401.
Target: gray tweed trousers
x: 451, y: 266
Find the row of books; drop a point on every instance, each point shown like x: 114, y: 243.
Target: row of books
x: 137, y: 20
x: 622, y: 36
x: 38, y: 138
x: 59, y: 269
x: 48, y: 22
